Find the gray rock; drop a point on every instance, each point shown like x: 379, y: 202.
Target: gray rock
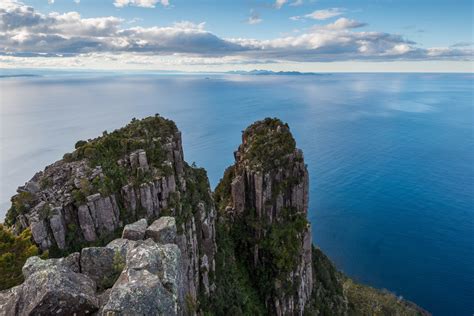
x: 146, y: 199
x: 53, y: 289
x: 135, y: 231
x: 139, y: 292
x: 163, y: 230
x: 144, y: 256
x: 142, y: 161
x: 238, y: 194
x: 87, y: 223
x: 35, y: 264
x: 10, y: 301
x: 102, y: 264
x: 122, y: 246
x: 39, y: 231
x: 130, y: 198
x: 58, y: 226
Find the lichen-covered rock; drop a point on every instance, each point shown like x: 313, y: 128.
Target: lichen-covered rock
x: 163, y: 230
x: 35, y: 264
x: 135, y: 231
x: 51, y: 288
x: 139, y: 292
x: 102, y: 264
x: 122, y: 246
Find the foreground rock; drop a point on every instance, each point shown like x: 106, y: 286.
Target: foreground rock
x: 128, y: 277
x: 135, y: 231
x: 163, y: 230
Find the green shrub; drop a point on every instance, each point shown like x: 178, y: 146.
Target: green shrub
x: 14, y: 250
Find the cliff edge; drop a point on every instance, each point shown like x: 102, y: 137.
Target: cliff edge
x: 82, y: 226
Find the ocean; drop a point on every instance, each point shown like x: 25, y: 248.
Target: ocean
x: 390, y: 156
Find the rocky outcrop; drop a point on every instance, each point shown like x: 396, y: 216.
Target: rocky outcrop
x: 120, y: 182
x: 268, y: 188
x: 135, y: 231
x: 163, y: 230
x: 127, y: 277
x: 90, y: 195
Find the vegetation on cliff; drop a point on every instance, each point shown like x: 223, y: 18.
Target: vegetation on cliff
x: 14, y: 250
x: 264, y: 260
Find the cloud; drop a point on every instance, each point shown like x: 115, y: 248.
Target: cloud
x: 50, y: 1
x: 26, y: 33
x: 321, y: 14
x: 77, y: 1
x: 140, y: 3
x: 280, y: 3
x: 296, y: 3
x: 254, y: 18
x: 344, y: 23
x: 463, y: 44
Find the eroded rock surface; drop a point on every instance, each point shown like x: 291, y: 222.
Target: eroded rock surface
x: 127, y: 277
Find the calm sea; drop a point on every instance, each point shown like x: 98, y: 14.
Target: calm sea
x: 390, y: 156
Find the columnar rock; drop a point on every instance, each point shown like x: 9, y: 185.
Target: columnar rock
x: 136, y: 172
x: 269, y: 191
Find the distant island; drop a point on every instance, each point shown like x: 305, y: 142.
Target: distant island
x: 260, y: 72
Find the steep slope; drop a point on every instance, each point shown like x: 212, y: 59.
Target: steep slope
x: 244, y: 250
x: 135, y: 172
x: 266, y: 199
x: 262, y: 201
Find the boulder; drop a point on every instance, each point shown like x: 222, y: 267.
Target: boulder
x: 144, y: 256
x: 51, y: 288
x: 139, y: 292
x: 163, y: 230
x: 135, y: 231
x: 122, y: 246
x: 35, y: 264
x: 102, y: 264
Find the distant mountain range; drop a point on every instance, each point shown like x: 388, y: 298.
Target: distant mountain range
x: 257, y: 72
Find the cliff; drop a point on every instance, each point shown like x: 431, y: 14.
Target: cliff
x: 135, y: 172
x: 243, y: 250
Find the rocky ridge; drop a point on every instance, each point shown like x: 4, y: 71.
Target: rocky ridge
x: 135, y: 172
x: 243, y: 250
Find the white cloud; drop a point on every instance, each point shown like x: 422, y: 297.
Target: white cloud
x: 254, y: 18
x: 296, y: 3
x: 140, y: 3
x: 344, y: 23
x: 321, y: 14
x: 280, y: 3
x: 25, y: 33
x: 50, y: 1
x: 77, y: 1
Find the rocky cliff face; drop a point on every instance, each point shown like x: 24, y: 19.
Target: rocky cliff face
x: 244, y: 250
x: 138, y: 171
x: 269, y: 192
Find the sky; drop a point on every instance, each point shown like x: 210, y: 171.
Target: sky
x: 223, y: 35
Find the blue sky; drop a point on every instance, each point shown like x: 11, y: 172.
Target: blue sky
x: 224, y: 35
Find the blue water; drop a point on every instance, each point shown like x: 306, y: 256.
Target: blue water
x: 390, y: 156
